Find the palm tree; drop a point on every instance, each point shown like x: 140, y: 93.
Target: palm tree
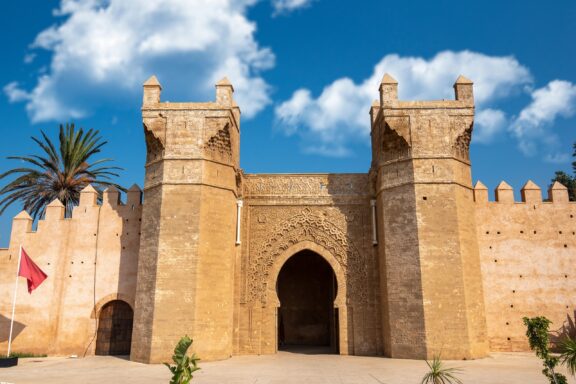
x: 568, y: 354
x: 58, y: 173
x: 439, y: 374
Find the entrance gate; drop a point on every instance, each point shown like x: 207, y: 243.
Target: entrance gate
x: 115, y: 329
x: 307, y: 319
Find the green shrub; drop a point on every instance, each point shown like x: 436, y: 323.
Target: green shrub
x: 25, y: 355
x: 537, y: 333
x: 439, y: 374
x: 568, y: 354
x: 185, y: 365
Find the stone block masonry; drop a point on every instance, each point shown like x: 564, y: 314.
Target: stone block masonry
x: 90, y: 259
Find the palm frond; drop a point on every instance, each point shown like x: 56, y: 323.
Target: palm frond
x: 58, y: 173
x: 439, y: 374
x: 568, y: 354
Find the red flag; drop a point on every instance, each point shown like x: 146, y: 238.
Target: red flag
x: 31, y: 272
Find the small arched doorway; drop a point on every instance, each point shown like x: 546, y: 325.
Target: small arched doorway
x: 114, y: 329
x: 307, y: 319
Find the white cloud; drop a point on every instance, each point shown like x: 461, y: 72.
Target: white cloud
x: 557, y: 158
x: 340, y: 113
x: 102, y: 52
x: 287, y: 6
x: 487, y: 124
x: 15, y: 93
x: 532, y: 126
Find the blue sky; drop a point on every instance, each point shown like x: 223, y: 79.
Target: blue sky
x: 305, y: 72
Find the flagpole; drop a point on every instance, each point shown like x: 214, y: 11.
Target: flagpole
x: 14, y: 301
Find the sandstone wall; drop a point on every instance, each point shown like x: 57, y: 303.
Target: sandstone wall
x: 90, y: 259
x: 528, y: 257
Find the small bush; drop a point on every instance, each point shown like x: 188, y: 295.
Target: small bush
x: 439, y: 374
x: 568, y: 354
x: 537, y: 333
x: 185, y: 365
x: 26, y: 355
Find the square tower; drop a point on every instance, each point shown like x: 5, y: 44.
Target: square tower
x: 431, y: 283
x: 186, y: 262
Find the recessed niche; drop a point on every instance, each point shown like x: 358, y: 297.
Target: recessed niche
x: 565, y: 245
x: 508, y: 338
x: 498, y: 232
x: 511, y: 305
x: 560, y: 232
x: 424, y: 198
x: 513, y: 291
x: 521, y: 231
x: 495, y: 260
x: 534, y: 232
x: 490, y: 247
x: 487, y: 232
x: 520, y: 276
x: 566, y: 276
x: 507, y: 323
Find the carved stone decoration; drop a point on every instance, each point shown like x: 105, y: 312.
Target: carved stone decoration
x: 306, y: 185
x: 400, y: 125
x: 395, y: 139
x: 239, y: 184
x: 319, y: 230
x: 219, y: 145
x: 155, y: 134
x: 157, y: 126
x: 462, y: 130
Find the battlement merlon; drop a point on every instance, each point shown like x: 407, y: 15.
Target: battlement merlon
x: 530, y: 194
x: 463, y: 95
x: 412, y: 130
x: 185, y: 131
x: 151, y: 100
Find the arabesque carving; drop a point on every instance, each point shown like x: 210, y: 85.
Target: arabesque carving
x: 314, y: 228
x: 394, y: 144
x: 462, y: 126
x: 306, y: 185
x: 219, y: 146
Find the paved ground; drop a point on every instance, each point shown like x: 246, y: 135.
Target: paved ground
x: 284, y: 367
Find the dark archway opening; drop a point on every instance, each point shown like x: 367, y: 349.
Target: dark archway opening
x: 115, y: 329
x: 307, y: 319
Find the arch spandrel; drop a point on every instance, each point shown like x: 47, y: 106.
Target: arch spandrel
x: 307, y: 230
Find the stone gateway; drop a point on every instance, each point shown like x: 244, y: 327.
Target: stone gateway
x: 407, y: 260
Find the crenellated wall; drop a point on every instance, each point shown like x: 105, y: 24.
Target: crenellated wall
x: 528, y: 258
x: 90, y: 259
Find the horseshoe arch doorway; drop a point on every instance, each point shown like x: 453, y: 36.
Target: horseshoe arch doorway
x: 307, y: 319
